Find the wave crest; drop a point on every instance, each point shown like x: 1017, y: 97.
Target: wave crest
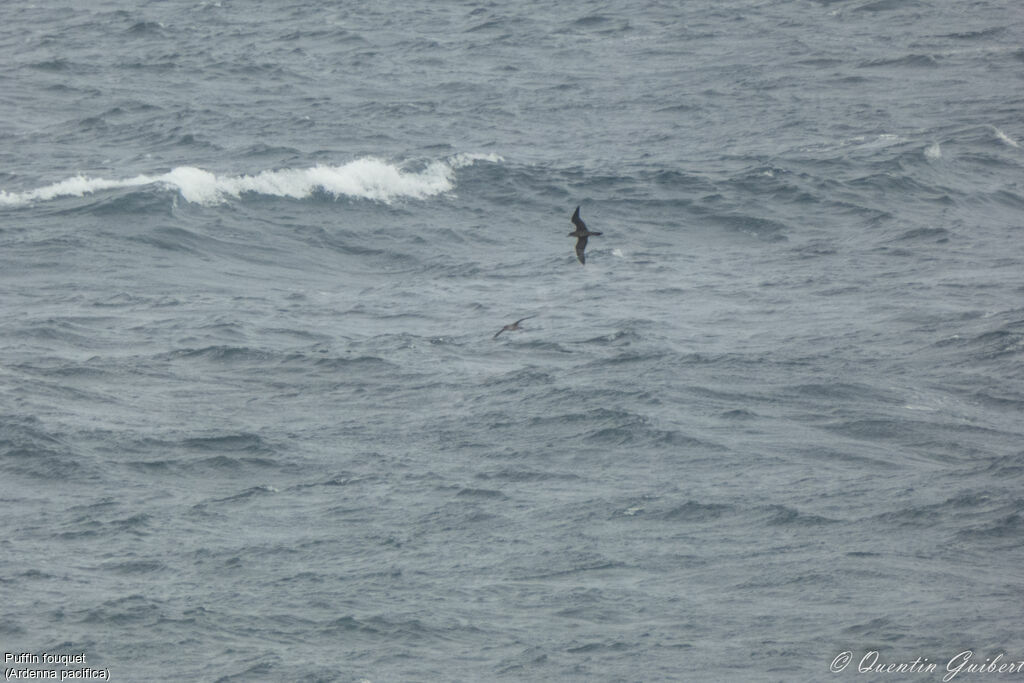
x: 365, y: 178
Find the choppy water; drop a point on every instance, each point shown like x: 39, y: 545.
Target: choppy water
x: 255, y: 425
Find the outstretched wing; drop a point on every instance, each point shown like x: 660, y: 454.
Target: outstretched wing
x: 522, y: 319
x: 578, y: 222
x: 499, y: 332
x: 581, y: 244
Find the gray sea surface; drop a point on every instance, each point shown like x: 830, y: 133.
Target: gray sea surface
x: 255, y: 424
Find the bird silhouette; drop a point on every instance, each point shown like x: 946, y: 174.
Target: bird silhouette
x: 513, y: 326
x: 581, y: 234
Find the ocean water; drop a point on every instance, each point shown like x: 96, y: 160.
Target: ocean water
x: 255, y: 425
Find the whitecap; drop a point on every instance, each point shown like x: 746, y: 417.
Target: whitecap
x: 1006, y: 139
x: 366, y: 178
x: 76, y: 186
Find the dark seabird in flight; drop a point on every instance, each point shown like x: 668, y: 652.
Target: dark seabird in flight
x: 581, y: 234
x: 513, y: 326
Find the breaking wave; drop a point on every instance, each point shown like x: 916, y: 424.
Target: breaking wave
x: 366, y: 178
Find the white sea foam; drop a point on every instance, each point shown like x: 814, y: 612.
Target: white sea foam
x: 366, y: 178
x: 76, y: 186
x: 1005, y: 138
x: 933, y: 152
